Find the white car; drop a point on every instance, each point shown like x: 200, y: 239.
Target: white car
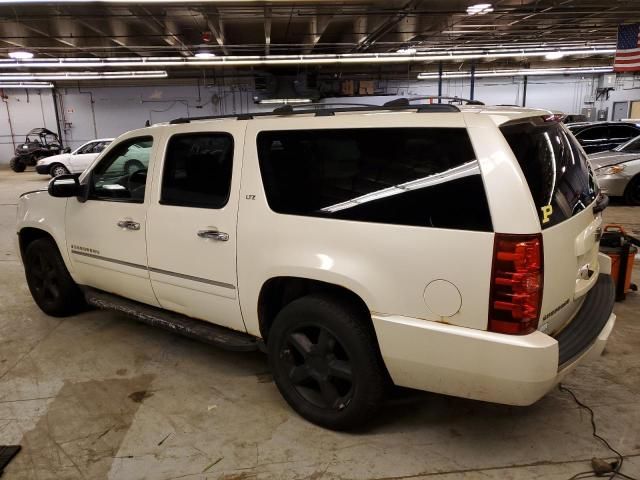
x: 618, y: 171
x: 72, y: 162
x: 449, y: 249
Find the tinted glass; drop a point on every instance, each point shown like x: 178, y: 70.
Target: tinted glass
x: 88, y: 148
x: 554, y: 167
x: 410, y: 176
x: 631, y: 146
x: 619, y: 132
x: 197, y: 170
x: 122, y: 174
x: 593, y: 133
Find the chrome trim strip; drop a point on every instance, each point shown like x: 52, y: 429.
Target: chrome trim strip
x: 157, y: 270
x: 106, y: 259
x: 190, y: 277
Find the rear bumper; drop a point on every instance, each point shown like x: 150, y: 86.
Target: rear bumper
x: 43, y: 169
x: 508, y: 369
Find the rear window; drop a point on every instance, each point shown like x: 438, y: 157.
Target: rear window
x: 554, y: 166
x: 425, y: 177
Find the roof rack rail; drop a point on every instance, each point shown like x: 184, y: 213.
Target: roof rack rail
x: 287, y: 110
x: 406, y: 101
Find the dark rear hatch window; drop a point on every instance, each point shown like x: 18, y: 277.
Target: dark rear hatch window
x: 554, y: 166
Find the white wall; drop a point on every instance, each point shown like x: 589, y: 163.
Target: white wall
x: 119, y: 109
x: 20, y: 111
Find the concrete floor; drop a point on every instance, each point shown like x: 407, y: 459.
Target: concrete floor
x: 100, y: 396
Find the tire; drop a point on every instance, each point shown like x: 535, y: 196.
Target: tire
x: 132, y: 166
x: 632, y: 192
x: 325, y: 362
x: 17, y: 165
x: 50, y: 284
x: 58, y: 169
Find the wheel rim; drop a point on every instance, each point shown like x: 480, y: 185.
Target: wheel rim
x: 318, y: 367
x: 44, y: 279
x: 59, y: 171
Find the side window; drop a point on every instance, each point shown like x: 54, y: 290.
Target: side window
x: 426, y: 177
x: 88, y: 148
x: 99, y: 147
x: 197, y: 170
x: 122, y: 175
x: 619, y: 132
x: 592, y: 134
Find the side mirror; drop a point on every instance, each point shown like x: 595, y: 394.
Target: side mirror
x: 67, y: 150
x: 64, y: 186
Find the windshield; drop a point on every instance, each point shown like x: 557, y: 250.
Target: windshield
x: 632, y: 145
x: 554, y: 166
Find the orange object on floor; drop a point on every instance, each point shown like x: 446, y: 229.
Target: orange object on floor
x: 616, y: 253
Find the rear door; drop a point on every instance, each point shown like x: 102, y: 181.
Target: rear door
x: 564, y: 193
x: 192, y: 224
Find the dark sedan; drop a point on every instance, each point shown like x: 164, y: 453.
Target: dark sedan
x: 601, y: 136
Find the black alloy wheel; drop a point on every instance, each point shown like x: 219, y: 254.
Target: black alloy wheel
x: 50, y: 284
x: 325, y: 361
x: 318, y: 366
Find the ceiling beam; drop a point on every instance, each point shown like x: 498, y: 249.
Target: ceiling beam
x: 57, y: 37
x: 165, y: 29
x: 383, y: 26
x: 217, y: 28
x: 317, y: 26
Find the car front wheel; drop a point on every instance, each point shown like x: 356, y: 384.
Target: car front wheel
x: 51, y: 286
x: 58, y: 169
x: 325, y: 361
x: 632, y: 192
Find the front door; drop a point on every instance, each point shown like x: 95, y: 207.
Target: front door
x: 106, y: 235
x: 191, y: 225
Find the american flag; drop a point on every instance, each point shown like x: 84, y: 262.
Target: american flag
x: 628, y: 50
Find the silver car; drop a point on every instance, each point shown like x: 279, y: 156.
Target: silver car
x: 618, y: 171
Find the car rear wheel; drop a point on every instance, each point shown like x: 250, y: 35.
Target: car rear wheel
x: 51, y: 286
x: 17, y: 165
x: 58, y: 169
x: 632, y: 192
x: 325, y: 362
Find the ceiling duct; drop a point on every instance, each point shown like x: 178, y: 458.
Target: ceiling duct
x: 286, y: 89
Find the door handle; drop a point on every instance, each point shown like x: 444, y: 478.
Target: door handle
x: 214, y: 235
x: 129, y: 224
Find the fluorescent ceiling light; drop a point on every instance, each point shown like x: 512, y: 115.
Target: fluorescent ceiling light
x: 17, y: 77
x: 21, y: 55
x: 26, y: 85
x: 283, y: 101
x: 554, y: 55
x: 407, y: 51
x: 517, y: 72
x: 316, y: 59
x: 204, y: 54
x: 480, y: 9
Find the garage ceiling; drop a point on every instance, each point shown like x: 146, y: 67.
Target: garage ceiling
x: 180, y: 29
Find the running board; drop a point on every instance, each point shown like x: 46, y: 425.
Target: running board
x: 174, y: 322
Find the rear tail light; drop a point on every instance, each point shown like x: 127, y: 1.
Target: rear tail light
x: 516, y: 284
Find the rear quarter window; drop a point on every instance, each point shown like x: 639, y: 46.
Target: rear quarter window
x: 427, y: 177
x: 555, y: 168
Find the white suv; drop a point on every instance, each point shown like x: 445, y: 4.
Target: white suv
x: 448, y: 249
